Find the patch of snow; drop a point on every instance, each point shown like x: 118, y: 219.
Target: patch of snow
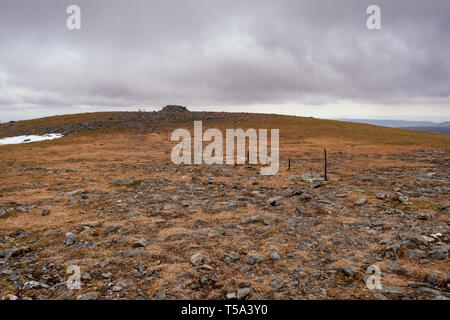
x: 32, y: 138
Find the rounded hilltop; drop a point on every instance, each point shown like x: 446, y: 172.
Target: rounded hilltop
x: 174, y: 109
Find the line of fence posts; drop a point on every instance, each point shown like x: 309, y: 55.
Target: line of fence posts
x: 289, y: 159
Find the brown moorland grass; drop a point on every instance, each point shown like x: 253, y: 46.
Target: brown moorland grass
x: 293, y: 127
x: 95, y: 158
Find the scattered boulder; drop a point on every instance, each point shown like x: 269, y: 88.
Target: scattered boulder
x: 124, y: 182
x: 360, y: 202
x: 161, y: 294
x: 197, y: 259
x: 31, y: 285
x: 381, y: 196
x: 88, y: 296
x: 416, y: 254
x: 252, y: 259
x: 274, y: 201
x: 423, y: 216
x: 141, y: 243
x: 348, y: 271
x: 243, y: 293
x: 276, y: 284
x: 440, y: 253
x: 432, y: 279
x: 112, y: 228
x: 69, y: 239
x: 251, y: 219
x: 274, y: 255
x: 401, y: 198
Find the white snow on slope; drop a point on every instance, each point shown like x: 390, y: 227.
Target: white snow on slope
x: 32, y: 138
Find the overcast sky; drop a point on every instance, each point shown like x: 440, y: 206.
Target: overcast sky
x: 313, y: 58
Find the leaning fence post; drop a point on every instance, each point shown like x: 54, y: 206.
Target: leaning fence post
x: 325, y: 167
x: 289, y: 164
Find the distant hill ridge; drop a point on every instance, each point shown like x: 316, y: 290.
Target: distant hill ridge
x: 396, y: 123
x: 172, y: 117
x: 426, y: 126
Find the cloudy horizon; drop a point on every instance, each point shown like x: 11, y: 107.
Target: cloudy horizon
x: 289, y: 57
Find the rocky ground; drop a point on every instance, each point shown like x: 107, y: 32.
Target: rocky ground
x: 140, y: 227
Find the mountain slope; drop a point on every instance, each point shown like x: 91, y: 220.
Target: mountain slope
x: 168, y: 119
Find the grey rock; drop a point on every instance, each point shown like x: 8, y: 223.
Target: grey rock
x: 112, y: 228
x: 66, y: 294
x: 231, y: 258
x: 276, y: 239
x: 293, y: 284
x: 425, y: 290
x: 129, y: 254
x: 231, y: 295
x: 440, y: 253
x: 243, y: 293
x: 423, y: 216
x: 17, y: 251
x: 45, y: 212
x: 392, y: 290
x: 231, y: 206
x: 440, y: 298
x: 446, y: 208
x: 348, y: 271
x: 118, y: 287
x: 267, y: 272
x: 416, y: 254
x: 251, y: 219
x: 308, y: 177
x: 360, y: 202
x: 396, y: 268
x: 276, y: 284
x: 69, y: 239
x: 133, y: 213
x: 306, y: 196
x: 401, y: 198
x: 300, y: 210
x: 274, y: 255
x: 432, y: 279
x: 141, y: 243
x: 88, y: 296
x: 86, y: 276
x: 197, y: 259
x: 123, y: 182
x: 76, y: 192
x: 252, y: 259
x: 381, y: 196
x: 380, y: 296
x: 161, y: 294
x: 274, y: 201
x: 31, y: 285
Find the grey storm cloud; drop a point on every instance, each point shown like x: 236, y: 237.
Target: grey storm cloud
x: 219, y: 53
